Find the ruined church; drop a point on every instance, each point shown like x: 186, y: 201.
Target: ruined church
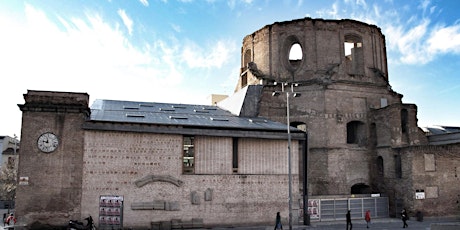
x: 318, y: 89
x: 362, y: 140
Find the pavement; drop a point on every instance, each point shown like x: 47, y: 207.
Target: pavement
x: 379, y: 224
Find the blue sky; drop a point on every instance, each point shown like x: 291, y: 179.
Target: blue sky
x: 181, y: 51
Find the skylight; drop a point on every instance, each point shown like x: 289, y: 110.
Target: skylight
x: 178, y: 117
x: 135, y: 115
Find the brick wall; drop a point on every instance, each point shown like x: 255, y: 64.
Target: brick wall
x: 114, y: 161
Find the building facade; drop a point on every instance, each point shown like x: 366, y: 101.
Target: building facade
x: 148, y: 165
x: 156, y: 165
x: 362, y: 138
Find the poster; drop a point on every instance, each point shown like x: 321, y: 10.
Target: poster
x: 111, y: 212
x: 313, y: 209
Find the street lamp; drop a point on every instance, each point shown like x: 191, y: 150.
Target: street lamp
x: 15, y: 143
x: 294, y: 94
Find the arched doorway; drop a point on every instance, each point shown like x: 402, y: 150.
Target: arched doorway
x: 360, y: 188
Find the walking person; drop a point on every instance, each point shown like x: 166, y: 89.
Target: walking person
x: 10, y: 222
x: 367, y: 217
x: 278, y: 224
x: 349, y: 220
x: 404, y: 218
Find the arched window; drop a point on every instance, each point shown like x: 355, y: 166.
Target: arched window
x: 244, y: 80
x: 373, y: 135
x: 404, y: 118
x: 354, y: 55
x: 398, y: 168
x: 295, y: 55
x: 246, y: 59
x: 380, y: 166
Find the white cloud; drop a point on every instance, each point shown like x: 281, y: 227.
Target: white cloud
x: 126, y: 20
x: 144, y: 2
x: 231, y: 4
x: 299, y: 3
x: 423, y: 43
x: 376, y: 11
x: 424, y: 4
x: 329, y: 13
x: 87, y: 55
x: 212, y: 56
x: 362, y: 3
x: 176, y: 28
x: 444, y: 40
x: 411, y: 46
x: 356, y: 2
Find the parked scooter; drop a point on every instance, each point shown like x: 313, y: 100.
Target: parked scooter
x: 77, y: 225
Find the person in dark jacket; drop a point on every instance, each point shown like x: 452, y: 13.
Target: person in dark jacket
x: 278, y: 224
x: 349, y: 220
x: 404, y: 218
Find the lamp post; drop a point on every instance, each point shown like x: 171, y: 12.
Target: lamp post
x: 15, y: 143
x: 294, y: 94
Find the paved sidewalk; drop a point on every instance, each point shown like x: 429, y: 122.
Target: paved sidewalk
x: 379, y: 224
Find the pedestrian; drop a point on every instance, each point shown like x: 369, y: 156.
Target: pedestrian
x: 404, y: 218
x: 11, y: 220
x: 367, y: 217
x: 278, y: 224
x: 349, y: 220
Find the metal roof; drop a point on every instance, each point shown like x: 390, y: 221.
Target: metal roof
x: 439, y: 129
x: 206, y: 116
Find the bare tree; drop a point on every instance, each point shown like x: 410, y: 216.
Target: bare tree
x: 8, y: 180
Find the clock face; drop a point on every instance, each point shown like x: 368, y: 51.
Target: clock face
x: 47, y: 142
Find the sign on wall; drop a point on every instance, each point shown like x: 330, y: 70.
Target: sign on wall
x: 419, y: 194
x: 24, y: 180
x: 111, y: 212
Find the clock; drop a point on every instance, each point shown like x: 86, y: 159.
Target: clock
x: 47, y: 142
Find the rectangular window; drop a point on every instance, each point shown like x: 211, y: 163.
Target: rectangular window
x: 430, y: 163
x: 383, y: 102
x: 235, y: 155
x: 188, y: 157
x: 398, y: 169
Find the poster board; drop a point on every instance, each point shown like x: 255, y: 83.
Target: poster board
x: 111, y: 212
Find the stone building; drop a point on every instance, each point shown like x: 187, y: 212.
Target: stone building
x: 148, y: 165
x: 145, y: 164
x: 362, y: 139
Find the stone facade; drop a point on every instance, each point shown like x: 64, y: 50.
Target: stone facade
x: 50, y: 184
x: 134, y: 175
x: 434, y: 171
x: 362, y: 138
x: 114, y: 161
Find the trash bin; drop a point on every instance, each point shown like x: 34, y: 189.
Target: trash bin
x: 419, y: 216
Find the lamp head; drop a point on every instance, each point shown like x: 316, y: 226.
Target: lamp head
x: 276, y: 93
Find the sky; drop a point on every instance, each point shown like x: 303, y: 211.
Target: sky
x: 182, y: 51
